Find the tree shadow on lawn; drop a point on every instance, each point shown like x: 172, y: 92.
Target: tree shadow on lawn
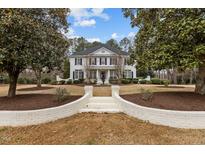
x: 35, y: 88
x: 162, y: 86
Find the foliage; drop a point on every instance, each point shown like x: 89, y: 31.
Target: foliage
x: 126, y: 81
x: 156, y: 81
x: 76, y: 81
x: 66, y: 68
x: 69, y: 81
x: 125, y: 44
x: 170, y: 38
x: 142, y: 81
x: 61, y: 94
x: 135, y: 80
x: 113, y: 43
x: 113, y: 81
x: 31, y: 37
x: 165, y: 82
x: 147, y: 95
x: 46, y: 80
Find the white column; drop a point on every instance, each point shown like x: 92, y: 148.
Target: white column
x: 97, y: 76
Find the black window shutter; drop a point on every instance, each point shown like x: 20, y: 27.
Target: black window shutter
x: 132, y: 74
x: 110, y: 61
x: 73, y: 75
x: 81, y: 61
x: 105, y: 61
x: 75, y: 61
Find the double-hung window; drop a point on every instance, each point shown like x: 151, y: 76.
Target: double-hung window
x: 113, y: 61
x: 93, y: 61
x: 103, y: 61
x: 92, y: 74
x: 78, y: 61
x: 113, y: 74
x: 78, y: 74
x: 128, y: 74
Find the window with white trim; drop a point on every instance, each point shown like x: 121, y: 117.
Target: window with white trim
x: 78, y: 74
x: 93, y: 61
x: 78, y: 61
x: 93, y: 74
x: 103, y: 61
x: 113, y: 74
x: 113, y: 61
x: 127, y: 74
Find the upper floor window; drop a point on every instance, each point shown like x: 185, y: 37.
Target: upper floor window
x: 103, y: 61
x: 126, y: 60
x: 78, y: 61
x: 93, y: 61
x: 113, y: 61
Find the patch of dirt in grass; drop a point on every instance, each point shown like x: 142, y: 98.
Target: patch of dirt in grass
x: 93, y: 128
x: 185, y: 101
x: 32, y: 101
x: 35, y: 88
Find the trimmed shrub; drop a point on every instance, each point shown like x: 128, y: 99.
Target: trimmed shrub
x: 81, y: 80
x: 61, y: 94
x: 142, y: 81
x: 113, y: 81
x: 76, y: 81
x: 135, y: 81
x: 69, y: 81
x: 46, y: 80
x: 126, y: 81
x: 148, y: 82
x: 62, y: 82
x: 156, y: 81
x: 165, y: 82
x: 139, y: 77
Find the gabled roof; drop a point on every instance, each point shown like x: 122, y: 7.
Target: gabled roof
x: 93, y: 49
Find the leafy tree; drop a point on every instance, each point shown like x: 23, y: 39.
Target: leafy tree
x: 27, y: 36
x: 66, y: 68
x: 113, y: 43
x: 170, y: 38
x: 125, y: 44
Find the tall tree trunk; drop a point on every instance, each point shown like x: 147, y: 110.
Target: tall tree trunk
x: 13, y: 77
x: 38, y: 77
x: 200, y: 80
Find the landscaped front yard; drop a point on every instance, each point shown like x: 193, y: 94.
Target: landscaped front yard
x: 91, y: 128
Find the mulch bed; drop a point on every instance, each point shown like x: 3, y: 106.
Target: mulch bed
x: 32, y: 101
x: 35, y: 88
x: 184, y: 101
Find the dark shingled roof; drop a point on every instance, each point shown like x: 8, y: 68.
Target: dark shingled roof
x: 90, y: 50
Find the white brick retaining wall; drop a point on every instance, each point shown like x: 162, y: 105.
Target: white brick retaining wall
x: 179, y: 119
x: 30, y: 117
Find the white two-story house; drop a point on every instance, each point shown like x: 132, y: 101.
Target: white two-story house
x: 101, y: 63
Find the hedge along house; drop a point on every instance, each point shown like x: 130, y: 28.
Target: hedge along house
x: 101, y: 64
